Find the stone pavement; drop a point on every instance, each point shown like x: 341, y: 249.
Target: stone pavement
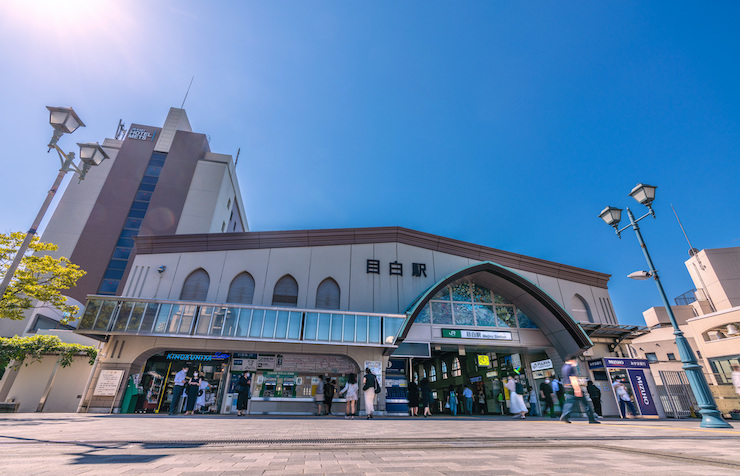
x: 153, y: 444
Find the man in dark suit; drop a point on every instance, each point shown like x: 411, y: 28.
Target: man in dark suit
x: 546, y: 394
x: 595, y: 394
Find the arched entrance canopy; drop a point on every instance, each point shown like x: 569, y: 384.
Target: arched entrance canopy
x: 564, y: 333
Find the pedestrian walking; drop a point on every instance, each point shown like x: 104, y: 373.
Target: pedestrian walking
x: 574, y: 393
x: 595, y: 393
x: 532, y: 394
x: 412, y: 394
x: 625, y: 400
x: 468, y: 398
x: 557, y: 387
x: 193, y: 387
x: 178, y: 388
x: 330, y: 387
x: 370, y: 387
x: 319, y: 397
x: 547, y: 395
x: 482, y: 402
x: 736, y: 378
x: 426, y: 397
x: 516, y: 396
x: 452, y: 401
x: 351, y: 391
x: 244, y: 392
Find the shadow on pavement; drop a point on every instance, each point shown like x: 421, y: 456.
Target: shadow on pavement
x: 87, y: 458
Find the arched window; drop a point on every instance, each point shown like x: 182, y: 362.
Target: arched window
x: 241, y: 289
x: 196, y: 286
x: 456, y: 370
x: 581, y: 311
x: 327, y: 295
x: 433, y: 374
x: 286, y: 292
x: 444, y: 371
x: 423, y: 373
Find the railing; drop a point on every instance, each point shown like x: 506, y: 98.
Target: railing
x: 104, y: 315
x: 686, y: 298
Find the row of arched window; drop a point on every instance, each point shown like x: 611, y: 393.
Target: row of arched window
x: 241, y: 290
x: 432, y: 375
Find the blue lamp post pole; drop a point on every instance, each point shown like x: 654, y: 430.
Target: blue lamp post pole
x: 711, y: 417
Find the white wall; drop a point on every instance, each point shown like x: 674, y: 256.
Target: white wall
x: 346, y: 264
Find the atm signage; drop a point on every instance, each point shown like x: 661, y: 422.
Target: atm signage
x: 466, y: 334
x: 197, y: 357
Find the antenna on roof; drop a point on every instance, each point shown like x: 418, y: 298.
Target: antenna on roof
x: 692, y: 251
x: 120, y: 130
x: 187, y: 92
x: 238, y: 151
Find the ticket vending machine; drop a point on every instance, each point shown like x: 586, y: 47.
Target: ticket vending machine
x: 396, y: 387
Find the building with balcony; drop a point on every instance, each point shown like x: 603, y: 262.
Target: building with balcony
x: 710, y: 319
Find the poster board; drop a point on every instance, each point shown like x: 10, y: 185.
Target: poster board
x: 108, y: 383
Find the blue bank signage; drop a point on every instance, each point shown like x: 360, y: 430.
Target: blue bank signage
x: 617, y: 363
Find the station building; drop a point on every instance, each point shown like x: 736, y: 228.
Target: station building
x: 288, y: 306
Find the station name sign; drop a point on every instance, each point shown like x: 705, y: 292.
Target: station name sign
x: 466, y: 334
x: 197, y: 357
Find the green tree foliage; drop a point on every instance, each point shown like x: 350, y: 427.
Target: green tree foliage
x: 39, y: 277
x: 31, y: 349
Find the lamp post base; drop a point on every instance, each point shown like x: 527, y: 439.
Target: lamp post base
x: 712, y: 419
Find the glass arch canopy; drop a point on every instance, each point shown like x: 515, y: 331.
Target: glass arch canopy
x: 464, y: 303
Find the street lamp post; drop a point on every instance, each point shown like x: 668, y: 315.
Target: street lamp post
x: 711, y: 417
x: 64, y: 120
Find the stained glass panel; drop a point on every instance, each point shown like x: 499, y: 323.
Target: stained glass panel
x: 442, y: 295
x: 524, y: 321
x: 463, y: 314
x: 499, y: 299
x: 441, y: 313
x: 505, y: 316
x: 484, y: 316
x: 423, y: 316
x: 481, y: 294
x: 461, y: 292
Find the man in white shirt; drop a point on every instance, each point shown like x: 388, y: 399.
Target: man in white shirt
x: 178, y: 388
x: 468, y: 396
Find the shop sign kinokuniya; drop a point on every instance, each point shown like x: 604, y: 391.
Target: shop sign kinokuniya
x: 196, y: 357
x: 466, y: 334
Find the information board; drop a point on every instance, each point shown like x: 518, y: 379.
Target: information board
x: 108, y: 382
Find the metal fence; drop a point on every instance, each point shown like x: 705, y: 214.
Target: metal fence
x: 675, y: 394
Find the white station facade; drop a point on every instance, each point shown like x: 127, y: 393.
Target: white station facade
x: 289, y: 306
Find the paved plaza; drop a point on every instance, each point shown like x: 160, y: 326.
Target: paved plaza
x: 221, y: 445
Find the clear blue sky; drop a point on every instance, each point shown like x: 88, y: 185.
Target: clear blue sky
x: 507, y: 124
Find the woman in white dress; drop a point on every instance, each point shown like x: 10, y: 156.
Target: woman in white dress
x: 518, y: 408
x: 352, y: 390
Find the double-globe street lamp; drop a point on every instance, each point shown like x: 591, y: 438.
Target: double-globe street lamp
x: 645, y: 194
x: 64, y: 120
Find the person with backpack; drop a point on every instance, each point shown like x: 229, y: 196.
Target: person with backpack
x: 370, y: 387
x: 329, y: 389
x: 516, y: 396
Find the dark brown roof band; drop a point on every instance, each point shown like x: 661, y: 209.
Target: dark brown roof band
x: 357, y: 236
